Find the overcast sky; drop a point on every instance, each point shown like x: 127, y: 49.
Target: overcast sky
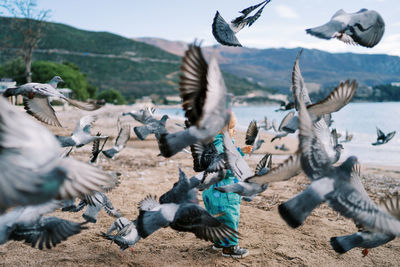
x: 282, y: 23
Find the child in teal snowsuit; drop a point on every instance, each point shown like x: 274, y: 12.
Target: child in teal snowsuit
x: 227, y: 204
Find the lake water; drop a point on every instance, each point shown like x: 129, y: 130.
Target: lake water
x: 360, y: 119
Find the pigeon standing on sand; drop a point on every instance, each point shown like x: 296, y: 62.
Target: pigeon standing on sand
x: 32, y: 170
x: 81, y: 134
x: 331, y: 184
x: 365, y: 27
x: 383, y: 138
x: 225, y: 33
x: 37, y: 101
x: 28, y: 224
x: 204, y: 99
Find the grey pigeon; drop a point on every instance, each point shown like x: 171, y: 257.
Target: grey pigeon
x: 265, y: 124
x: 204, y: 99
x: 127, y: 235
x: 365, y: 27
x: 284, y: 106
x: 331, y: 184
x: 140, y: 115
x: 32, y: 170
x: 337, y: 99
x: 225, y: 33
x: 184, y: 217
x: 280, y: 130
x: 347, y: 138
x: 206, y: 157
x: 29, y: 224
x: 248, y: 189
x: 37, y: 101
x: 383, y: 138
x: 124, y: 134
x: 152, y: 125
x: 94, y: 204
x: 81, y: 134
x: 282, y: 148
x: 365, y: 238
x: 253, y: 136
x: 96, y: 149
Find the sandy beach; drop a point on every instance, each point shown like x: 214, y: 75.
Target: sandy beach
x: 269, y: 240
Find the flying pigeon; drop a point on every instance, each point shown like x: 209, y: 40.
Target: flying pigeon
x: 124, y: 134
x: 347, y: 138
x: 184, y: 217
x: 127, y: 235
x: 152, y: 125
x: 282, y: 148
x: 204, y: 99
x: 29, y: 224
x: 96, y: 149
x: 140, y: 115
x: 366, y: 238
x: 225, y: 33
x: 253, y: 137
x: 32, y: 170
x: 81, y: 134
x: 94, y: 204
x: 247, y: 189
x: 37, y: 101
x: 284, y: 106
x: 365, y: 27
x: 337, y: 99
x: 382, y: 137
x: 280, y: 130
x: 331, y: 184
x: 266, y: 124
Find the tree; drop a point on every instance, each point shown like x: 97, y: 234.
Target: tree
x: 30, y: 30
x: 112, y: 96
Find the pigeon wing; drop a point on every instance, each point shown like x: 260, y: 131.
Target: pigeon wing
x: 83, y: 105
x: 40, y: 108
x: 337, y: 99
x: 251, y: 133
x: 298, y: 84
x: 222, y: 31
x: 195, y: 219
x: 48, y: 232
x: 284, y: 171
x: 367, y: 28
x: 352, y: 204
x: 235, y: 161
x: 193, y: 83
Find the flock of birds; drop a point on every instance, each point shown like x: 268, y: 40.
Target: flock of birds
x: 39, y: 177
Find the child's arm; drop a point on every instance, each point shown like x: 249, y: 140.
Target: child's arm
x: 246, y: 149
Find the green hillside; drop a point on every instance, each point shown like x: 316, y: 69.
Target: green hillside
x: 109, y: 61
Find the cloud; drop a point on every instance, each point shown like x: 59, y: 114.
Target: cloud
x: 286, y: 12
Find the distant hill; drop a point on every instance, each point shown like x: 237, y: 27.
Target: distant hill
x: 272, y: 67
x: 174, y: 47
x: 109, y: 60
